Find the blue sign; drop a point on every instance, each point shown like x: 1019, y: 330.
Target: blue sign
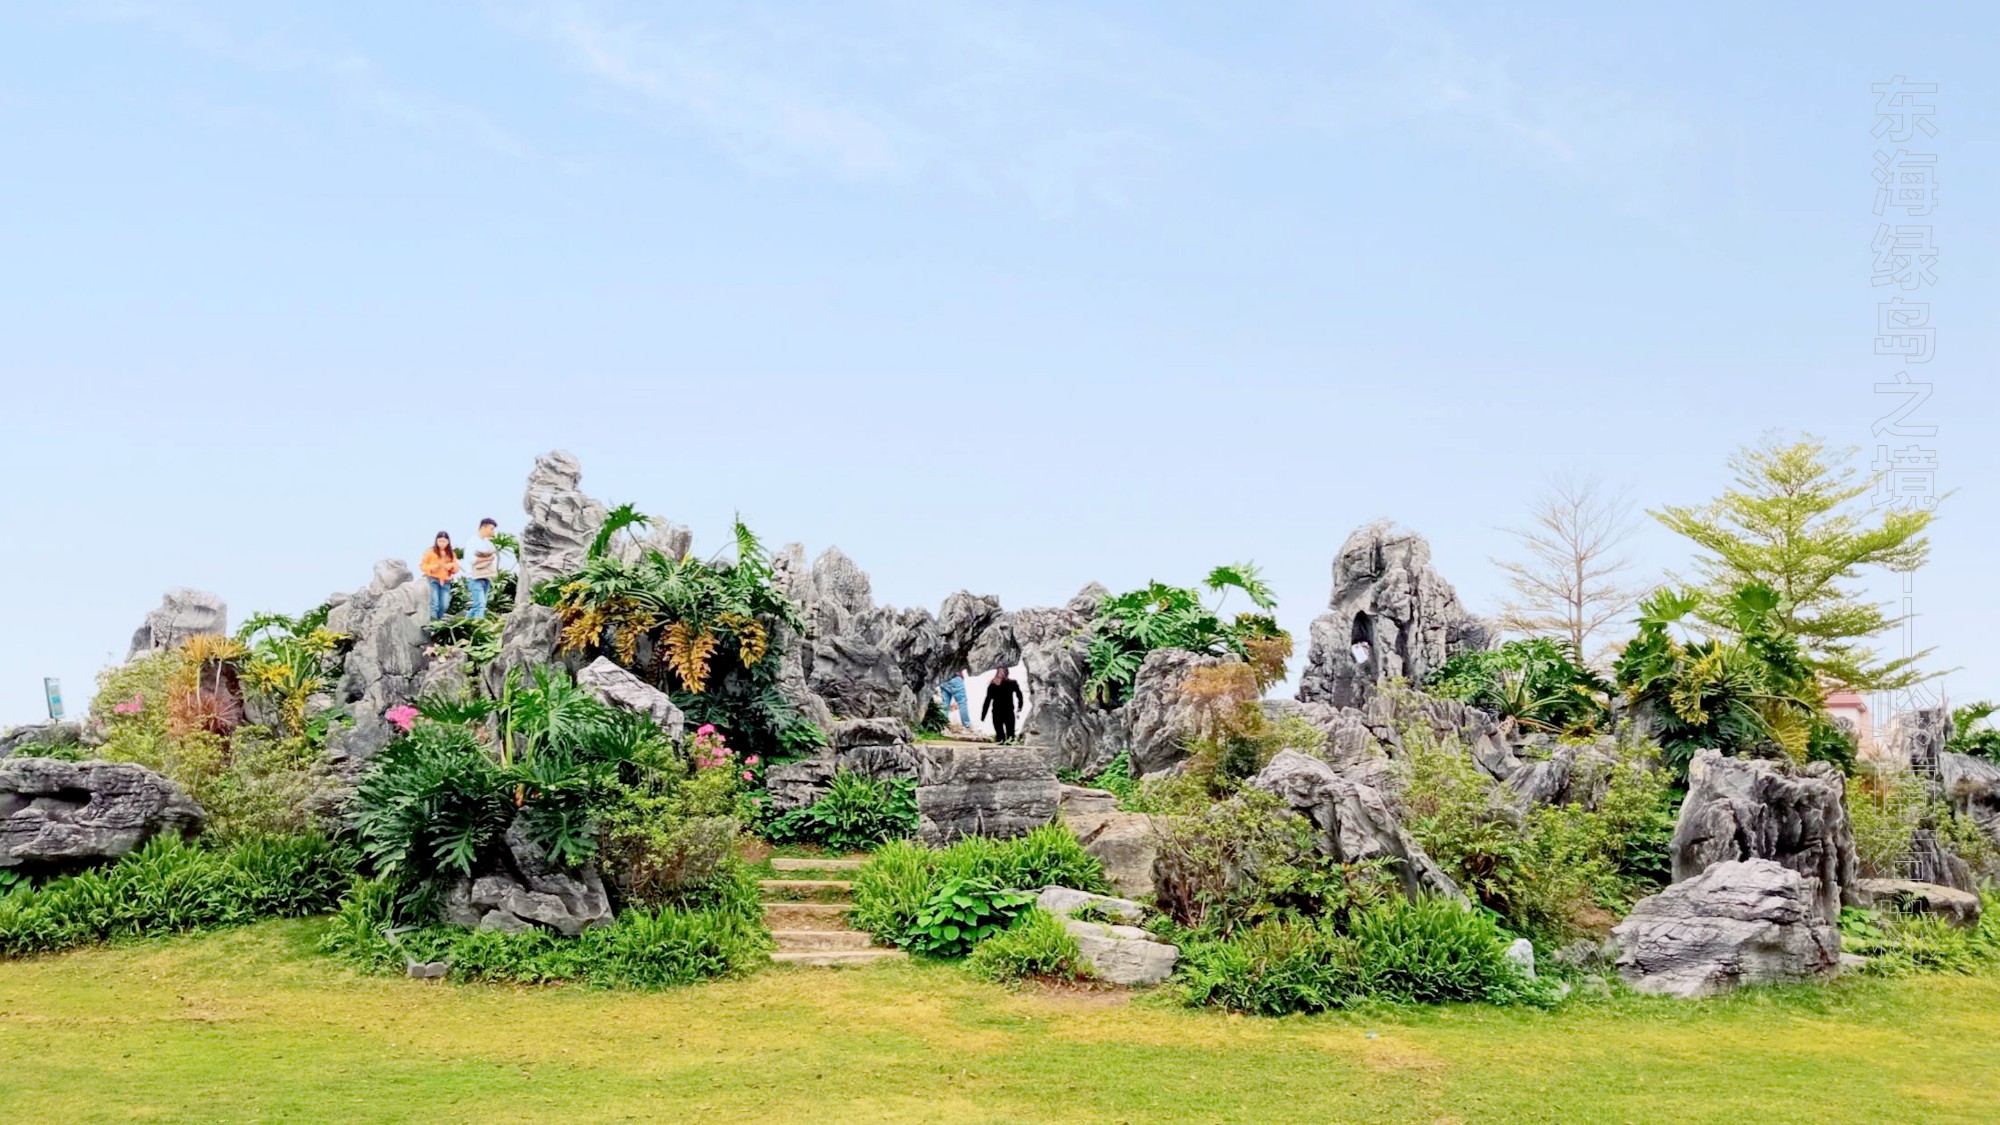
x: 52, y: 688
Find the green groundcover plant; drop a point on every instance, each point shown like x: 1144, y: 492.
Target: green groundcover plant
x: 902, y: 878
x: 1037, y: 946
x: 170, y: 887
x: 856, y: 812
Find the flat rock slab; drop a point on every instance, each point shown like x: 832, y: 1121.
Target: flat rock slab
x: 1123, y: 954
x: 1064, y: 902
x: 1960, y: 908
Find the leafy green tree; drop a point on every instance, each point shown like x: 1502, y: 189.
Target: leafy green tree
x: 1792, y: 523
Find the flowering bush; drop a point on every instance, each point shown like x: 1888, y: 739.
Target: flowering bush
x: 402, y: 718
x: 710, y: 751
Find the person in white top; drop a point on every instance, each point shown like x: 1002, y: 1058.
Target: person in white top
x: 482, y: 566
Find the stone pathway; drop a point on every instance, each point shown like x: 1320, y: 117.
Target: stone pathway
x: 808, y: 915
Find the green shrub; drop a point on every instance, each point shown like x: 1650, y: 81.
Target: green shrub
x: 1036, y: 945
x: 643, y: 949
x: 961, y: 914
x: 893, y: 887
x: 1902, y: 944
x: 1229, y: 864
x: 170, y: 886
x: 1540, y: 683
x: 1427, y: 952
x: 856, y: 812
x: 1129, y: 626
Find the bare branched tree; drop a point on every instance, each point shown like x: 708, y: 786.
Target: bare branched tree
x: 1571, y: 580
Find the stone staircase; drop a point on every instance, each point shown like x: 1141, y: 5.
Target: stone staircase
x: 807, y: 915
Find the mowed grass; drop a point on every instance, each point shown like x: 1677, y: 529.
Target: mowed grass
x: 252, y: 1025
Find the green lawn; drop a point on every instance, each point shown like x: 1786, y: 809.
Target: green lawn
x: 251, y: 1025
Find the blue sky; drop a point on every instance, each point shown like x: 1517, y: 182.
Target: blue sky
x: 1001, y: 296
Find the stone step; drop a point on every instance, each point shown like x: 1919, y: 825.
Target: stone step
x: 821, y: 939
x: 835, y: 958
x: 806, y: 915
x: 814, y: 863
x: 820, y: 889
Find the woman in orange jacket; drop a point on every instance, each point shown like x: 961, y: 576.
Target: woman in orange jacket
x: 440, y: 566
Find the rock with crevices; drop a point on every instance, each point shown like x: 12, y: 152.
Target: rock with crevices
x: 56, y: 815
x: 1738, y: 922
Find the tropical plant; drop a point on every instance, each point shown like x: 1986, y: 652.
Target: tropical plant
x: 901, y: 878
x: 1792, y: 525
x: 961, y: 914
x: 1540, y: 684
x: 1752, y: 691
x: 1972, y: 732
x: 289, y: 661
x: 1128, y: 626
x: 856, y: 812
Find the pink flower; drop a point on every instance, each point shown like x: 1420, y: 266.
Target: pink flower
x: 748, y: 776
x: 404, y: 717
x: 131, y: 706
x: 751, y: 760
x: 705, y: 728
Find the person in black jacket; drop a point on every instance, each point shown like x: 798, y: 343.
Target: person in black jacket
x: 1002, y: 696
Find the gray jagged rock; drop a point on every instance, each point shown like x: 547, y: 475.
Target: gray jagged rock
x: 1972, y: 786
x: 979, y: 790
x: 1052, y: 646
x: 878, y: 749
x: 28, y: 738
x: 56, y: 814
x: 562, y: 520
x: 1739, y: 922
x: 528, y: 891
x: 1123, y: 955
x: 1354, y: 821
x: 180, y: 615
x: 621, y: 689
x: 792, y: 577
x: 1931, y: 861
x: 1158, y: 719
x: 1909, y: 896
x: 528, y: 640
x: 1063, y: 902
x: 1747, y: 808
x: 1569, y: 775
x: 385, y: 665
x: 1917, y: 738
x: 1126, y: 843
x: 1386, y: 596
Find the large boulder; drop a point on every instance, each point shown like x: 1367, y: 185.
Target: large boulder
x: 529, y: 639
x: 1124, y: 955
x: 1739, y: 922
x: 384, y: 667
x: 1064, y: 902
x: 621, y: 689
x: 1158, y: 717
x: 1387, y: 597
x: 1908, y: 896
x: 1354, y: 822
x: 1051, y: 645
x: 527, y: 891
x: 878, y: 749
x: 180, y: 615
x: 1126, y: 843
x: 1748, y: 808
x: 56, y: 814
x: 562, y: 520
x: 978, y: 790
x: 1570, y: 774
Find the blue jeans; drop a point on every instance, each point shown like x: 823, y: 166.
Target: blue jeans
x: 440, y: 598
x: 478, y: 588
x: 953, y: 690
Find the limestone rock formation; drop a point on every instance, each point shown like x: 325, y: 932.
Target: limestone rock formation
x: 1157, y: 718
x: 1354, y: 821
x: 976, y: 790
x: 1569, y: 775
x: 562, y: 520
x: 874, y: 748
x: 1972, y: 785
x: 1124, y: 955
x: 621, y: 689
x: 1746, y: 808
x: 1126, y: 843
x: 528, y: 641
x: 384, y: 667
x: 1076, y: 733
x: 1739, y: 922
x: 56, y: 814
x: 1064, y: 901
x: 27, y: 738
x: 528, y: 891
x: 180, y: 615
x: 1387, y: 597
x: 1908, y: 896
